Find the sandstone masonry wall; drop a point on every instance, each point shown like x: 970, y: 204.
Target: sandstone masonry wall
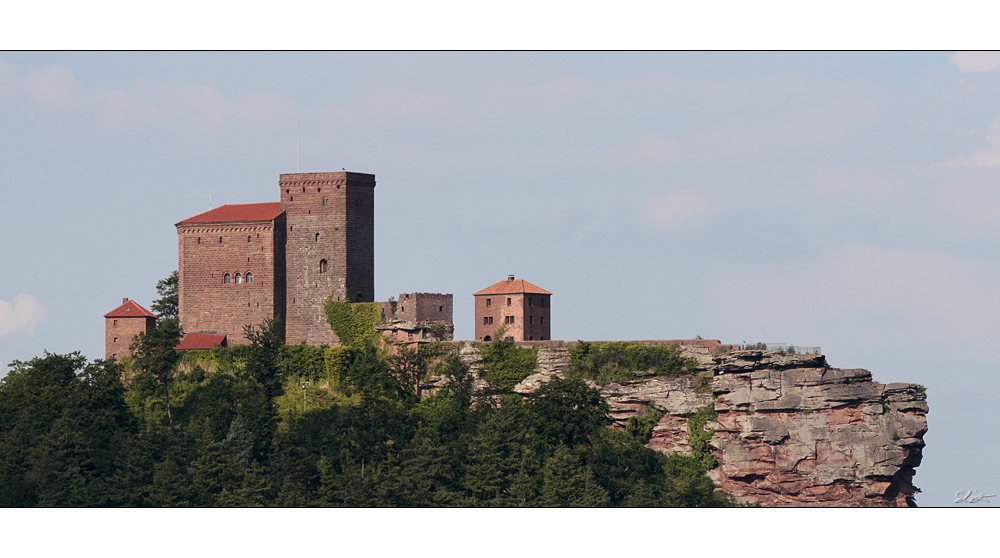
x: 424, y: 307
x: 118, y: 334
x: 531, y: 315
x: 207, y: 252
x: 330, y: 247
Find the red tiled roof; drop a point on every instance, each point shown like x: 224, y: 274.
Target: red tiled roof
x: 130, y: 310
x: 201, y: 341
x: 516, y: 286
x: 237, y: 212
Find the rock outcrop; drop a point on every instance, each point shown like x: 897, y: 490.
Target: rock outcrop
x: 790, y: 430
x: 793, y: 432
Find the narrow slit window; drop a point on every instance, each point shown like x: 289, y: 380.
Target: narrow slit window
x: 248, y: 238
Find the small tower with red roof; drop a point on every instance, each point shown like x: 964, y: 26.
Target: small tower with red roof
x: 122, y: 324
x: 522, y: 308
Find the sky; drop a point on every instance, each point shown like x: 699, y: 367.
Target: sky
x: 841, y: 200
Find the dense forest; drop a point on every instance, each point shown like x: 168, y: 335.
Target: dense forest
x: 271, y: 425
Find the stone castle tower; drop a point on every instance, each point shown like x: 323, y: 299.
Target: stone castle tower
x: 329, y: 248
x: 242, y: 263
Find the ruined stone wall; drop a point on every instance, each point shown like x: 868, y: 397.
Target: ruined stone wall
x: 207, y: 252
x: 424, y: 307
x: 329, y: 249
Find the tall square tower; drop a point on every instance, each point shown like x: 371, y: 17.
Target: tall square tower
x: 329, y: 248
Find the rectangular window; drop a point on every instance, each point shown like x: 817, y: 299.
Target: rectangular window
x: 491, y: 320
x: 199, y: 240
x: 531, y: 319
x: 115, y: 322
x: 542, y: 319
x: 512, y: 319
x: 531, y: 301
x: 508, y: 301
x: 326, y: 202
x: 488, y: 301
x: 486, y: 320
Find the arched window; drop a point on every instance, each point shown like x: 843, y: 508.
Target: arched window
x: 239, y: 278
x: 358, y: 297
x: 248, y: 238
x: 225, y: 279
x: 249, y: 277
x: 317, y: 237
x: 326, y: 202
x: 322, y: 266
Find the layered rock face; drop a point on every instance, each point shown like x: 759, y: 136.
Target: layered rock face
x: 790, y: 431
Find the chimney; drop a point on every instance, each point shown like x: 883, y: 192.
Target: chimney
x: 510, y: 277
x: 124, y: 300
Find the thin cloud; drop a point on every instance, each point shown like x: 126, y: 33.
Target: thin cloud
x: 23, y: 315
x: 673, y: 210
x: 982, y: 158
x: 975, y: 61
x: 875, y: 293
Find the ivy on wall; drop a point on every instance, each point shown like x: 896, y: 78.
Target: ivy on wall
x: 354, y: 323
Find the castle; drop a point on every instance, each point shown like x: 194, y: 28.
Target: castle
x: 240, y: 264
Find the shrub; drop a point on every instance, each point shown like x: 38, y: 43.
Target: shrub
x: 619, y: 361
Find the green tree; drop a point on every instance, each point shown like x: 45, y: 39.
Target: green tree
x: 567, y: 411
x: 153, y: 355
x: 505, y: 364
x: 167, y: 305
x: 409, y: 367
x: 570, y: 483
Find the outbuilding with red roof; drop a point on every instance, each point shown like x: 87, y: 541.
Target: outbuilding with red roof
x: 122, y: 324
x: 521, y: 308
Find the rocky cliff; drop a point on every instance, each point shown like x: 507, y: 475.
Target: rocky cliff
x: 790, y: 430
